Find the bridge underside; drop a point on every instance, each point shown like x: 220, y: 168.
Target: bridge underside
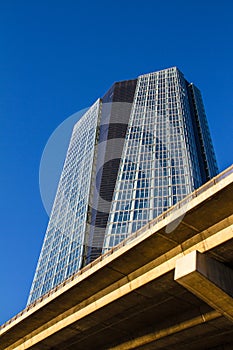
x: 170, y: 288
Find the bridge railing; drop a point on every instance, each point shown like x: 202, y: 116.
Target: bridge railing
x: 134, y: 235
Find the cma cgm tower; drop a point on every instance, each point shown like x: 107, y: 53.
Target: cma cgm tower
x: 137, y: 151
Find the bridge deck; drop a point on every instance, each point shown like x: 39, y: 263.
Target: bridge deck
x: 129, y: 298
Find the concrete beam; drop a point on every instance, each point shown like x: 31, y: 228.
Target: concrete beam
x: 163, y: 333
x: 208, y: 279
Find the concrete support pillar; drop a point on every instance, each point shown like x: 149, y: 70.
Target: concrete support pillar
x: 208, y: 279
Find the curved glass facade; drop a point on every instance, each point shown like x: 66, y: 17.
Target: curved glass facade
x: 159, y: 164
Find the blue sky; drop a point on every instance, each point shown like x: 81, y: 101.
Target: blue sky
x: 58, y: 57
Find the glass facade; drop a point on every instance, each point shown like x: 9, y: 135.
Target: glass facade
x: 62, y: 251
x: 136, y: 152
x: 115, y: 112
x: 206, y: 156
x: 167, y: 153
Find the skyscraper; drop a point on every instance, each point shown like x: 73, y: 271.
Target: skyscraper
x: 137, y: 151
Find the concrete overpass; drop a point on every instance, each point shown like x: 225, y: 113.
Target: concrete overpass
x: 168, y: 286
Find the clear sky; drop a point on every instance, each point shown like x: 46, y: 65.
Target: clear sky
x: 57, y: 57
